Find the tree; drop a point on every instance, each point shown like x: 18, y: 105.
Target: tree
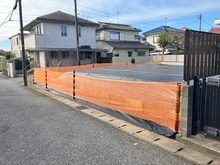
x: 163, y: 41
x: 8, y: 55
x: 168, y: 39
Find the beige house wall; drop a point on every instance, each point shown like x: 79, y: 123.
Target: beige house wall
x: 150, y: 40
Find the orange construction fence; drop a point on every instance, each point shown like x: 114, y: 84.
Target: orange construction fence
x: 154, y: 101
x: 40, y: 76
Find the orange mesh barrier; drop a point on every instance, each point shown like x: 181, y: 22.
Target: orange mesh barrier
x: 147, y: 100
x: 70, y: 68
x: 62, y: 82
x: 39, y: 76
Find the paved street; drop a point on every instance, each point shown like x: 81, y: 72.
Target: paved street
x: 35, y: 129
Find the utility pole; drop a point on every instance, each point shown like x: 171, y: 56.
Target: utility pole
x: 200, y: 22
x: 77, y: 34
x: 22, y: 45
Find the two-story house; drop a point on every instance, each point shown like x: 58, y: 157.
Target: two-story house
x: 121, y: 42
x: 52, y: 40
x: 152, y: 36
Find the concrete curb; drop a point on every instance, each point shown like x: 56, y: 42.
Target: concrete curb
x: 178, y: 148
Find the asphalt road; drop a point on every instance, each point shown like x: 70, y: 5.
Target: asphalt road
x: 37, y: 130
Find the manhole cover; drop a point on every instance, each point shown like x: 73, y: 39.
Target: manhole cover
x: 81, y: 107
x: 4, y: 128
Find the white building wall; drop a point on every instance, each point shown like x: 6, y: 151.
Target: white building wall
x: 16, y: 47
x: 52, y: 37
x: 42, y: 58
x: 150, y: 40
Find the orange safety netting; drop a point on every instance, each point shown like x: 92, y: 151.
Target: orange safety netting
x: 69, y: 68
x: 147, y: 100
x: 62, y: 82
x: 39, y: 76
x: 153, y: 101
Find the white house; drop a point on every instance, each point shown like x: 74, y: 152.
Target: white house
x: 152, y: 36
x: 121, y: 42
x: 52, y: 40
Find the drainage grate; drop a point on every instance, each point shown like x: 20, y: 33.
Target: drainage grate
x: 81, y: 107
x: 4, y: 128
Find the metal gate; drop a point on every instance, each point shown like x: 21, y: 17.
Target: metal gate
x: 206, y: 105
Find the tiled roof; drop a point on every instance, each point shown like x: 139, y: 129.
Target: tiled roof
x: 58, y: 17
x: 105, y: 25
x: 215, y: 30
x: 162, y: 29
x: 127, y: 44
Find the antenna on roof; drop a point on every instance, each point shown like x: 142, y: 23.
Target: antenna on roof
x: 118, y: 16
x: 165, y: 20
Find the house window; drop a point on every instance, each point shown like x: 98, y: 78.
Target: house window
x: 114, y: 36
x: 137, y: 37
x: 65, y: 55
x: 79, y: 31
x: 63, y: 30
x: 116, y: 55
x: 54, y: 55
x: 38, y: 29
x: 17, y: 40
x: 155, y: 38
x: 141, y: 53
x: 129, y: 54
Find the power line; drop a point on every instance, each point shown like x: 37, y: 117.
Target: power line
x: 6, y: 19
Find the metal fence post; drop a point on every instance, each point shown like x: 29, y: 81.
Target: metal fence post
x: 195, y: 105
x: 74, y: 84
x: 178, y: 95
x: 46, y: 78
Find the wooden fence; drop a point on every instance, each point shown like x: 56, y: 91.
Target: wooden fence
x: 202, y: 51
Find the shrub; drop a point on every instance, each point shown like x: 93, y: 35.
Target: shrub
x: 179, y: 52
x: 18, y: 64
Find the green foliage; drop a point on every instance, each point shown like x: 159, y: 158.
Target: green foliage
x: 85, y: 47
x: 8, y: 55
x: 163, y: 40
x: 4, y: 63
x: 179, y: 52
x: 18, y: 64
x: 171, y: 39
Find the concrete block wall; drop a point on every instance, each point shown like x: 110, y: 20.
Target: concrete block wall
x: 187, y: 108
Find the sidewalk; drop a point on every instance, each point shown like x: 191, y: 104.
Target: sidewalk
x: 197, y: 149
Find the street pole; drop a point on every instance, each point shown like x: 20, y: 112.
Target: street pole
x: 77, y: 34
x: 22, y: 45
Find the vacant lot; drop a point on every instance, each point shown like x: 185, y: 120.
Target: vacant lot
x: 147, y: 72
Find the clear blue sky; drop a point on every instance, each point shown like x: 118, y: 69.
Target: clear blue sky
x: 143, y: 14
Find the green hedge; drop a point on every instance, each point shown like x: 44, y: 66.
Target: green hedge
x: 18, y: 64
x: 179, y: 52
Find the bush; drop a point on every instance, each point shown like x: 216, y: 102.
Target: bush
x: 179, y: 52
x: 18, y: 64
